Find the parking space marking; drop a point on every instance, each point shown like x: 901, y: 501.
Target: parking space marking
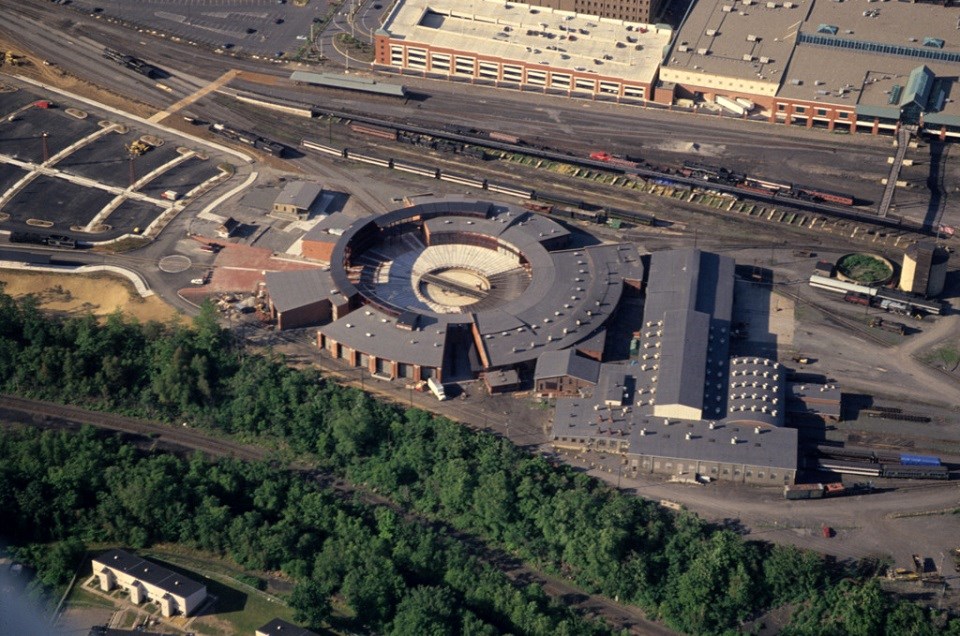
x: 34, y: 173
x: 189, y: 99
x: 117, y: 201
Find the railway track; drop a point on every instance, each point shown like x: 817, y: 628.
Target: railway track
x: 831, y: 316
x: 183, y: 436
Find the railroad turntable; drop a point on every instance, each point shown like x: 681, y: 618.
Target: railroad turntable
x: 453, y: 288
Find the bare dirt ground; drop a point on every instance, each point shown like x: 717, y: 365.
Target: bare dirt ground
x: 34, y: 68
x: 100, y: 295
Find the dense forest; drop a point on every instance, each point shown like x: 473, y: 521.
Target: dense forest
x: 398, y: 577
x: 696, y: 578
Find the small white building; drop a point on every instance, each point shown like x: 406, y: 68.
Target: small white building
x: 146, y: 581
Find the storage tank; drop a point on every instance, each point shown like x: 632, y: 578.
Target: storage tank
x: 924, y: 269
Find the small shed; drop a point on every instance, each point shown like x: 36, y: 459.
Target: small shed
x: 501, y: 381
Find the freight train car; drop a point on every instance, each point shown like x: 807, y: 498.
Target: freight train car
x: 371, y: 130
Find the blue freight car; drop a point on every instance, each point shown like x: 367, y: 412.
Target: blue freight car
x: 919, y: 460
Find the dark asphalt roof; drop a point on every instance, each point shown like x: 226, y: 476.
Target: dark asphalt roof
x: 300, y: 194
x: 280, y: 627
x: 148, y: 572
x: 299, y: 288
x: 501, y: 378
x: 555, y: 364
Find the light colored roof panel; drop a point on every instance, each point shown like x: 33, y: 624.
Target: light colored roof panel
x: 538, y: 35
x: 727, y: 35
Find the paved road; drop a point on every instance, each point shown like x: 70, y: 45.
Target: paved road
x: 51, y: 414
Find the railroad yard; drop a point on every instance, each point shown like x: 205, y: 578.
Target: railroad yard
x: 78, y: 175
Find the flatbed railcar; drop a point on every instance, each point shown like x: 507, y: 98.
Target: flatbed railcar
x: 849, y: 467
x: 559, y: 199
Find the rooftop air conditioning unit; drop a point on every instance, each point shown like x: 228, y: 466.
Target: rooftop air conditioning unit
x: 752, y: 38
x: 711, y: 32
x: 748, y: 58
x: 703, y: 51
x: 727, y: 8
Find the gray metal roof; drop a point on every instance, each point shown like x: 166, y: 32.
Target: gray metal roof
x: 589, y: 419
x: 330, y: 228
x: 299, y: 288
x: 687, y: 318
x: 555, y: 364
x: 148, y: 572
x: 299, y: 194
x: 570, y: 296
x: 502, y: 378
x: 349, y: 82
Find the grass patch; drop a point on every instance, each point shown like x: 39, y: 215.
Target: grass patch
x: 240, y: 608
x: 946, y: 356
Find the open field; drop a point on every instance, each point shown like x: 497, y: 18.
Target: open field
x: 100, y: 295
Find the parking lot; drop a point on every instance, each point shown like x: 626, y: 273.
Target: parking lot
x: 63, y: 203
x: 108, y: 160
x: 256, y: 27
x: 22, y: 138
x: 70, y: 192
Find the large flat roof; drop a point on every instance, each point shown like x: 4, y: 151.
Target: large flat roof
x: 904, y: 24
x: 299, y: 194
x: 860, y: 79
x: 647, y: 435
x: 534, y: 35
x: 728, y: 30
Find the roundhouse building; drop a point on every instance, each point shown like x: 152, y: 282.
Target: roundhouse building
x: 523, y: 46
x: 454, y: 288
